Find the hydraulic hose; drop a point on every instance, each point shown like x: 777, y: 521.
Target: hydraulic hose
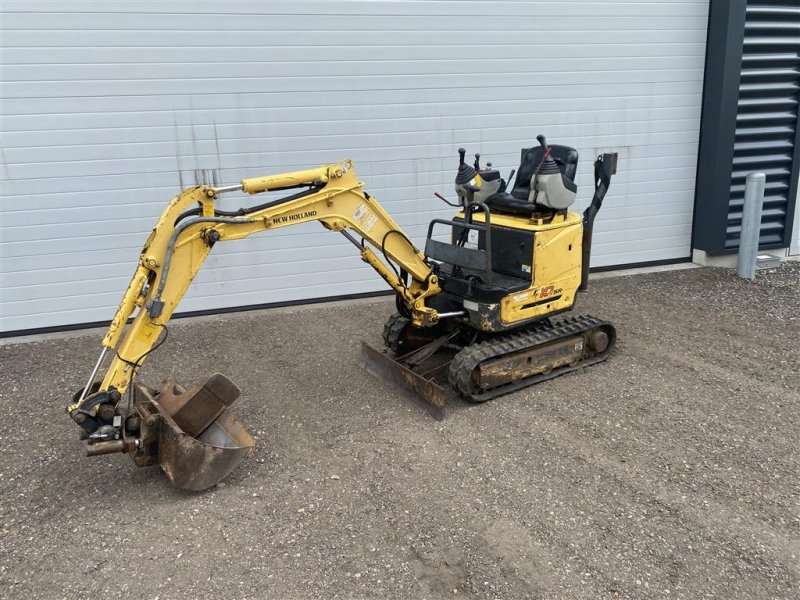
x: 157, y: 305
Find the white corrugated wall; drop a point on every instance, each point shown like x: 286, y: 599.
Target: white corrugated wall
x: 109, y: 107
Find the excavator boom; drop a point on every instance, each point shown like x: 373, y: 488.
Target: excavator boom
x: 190, y: 433
x: 191, y: 225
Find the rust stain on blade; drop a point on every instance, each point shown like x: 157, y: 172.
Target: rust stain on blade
x: 384, y: 367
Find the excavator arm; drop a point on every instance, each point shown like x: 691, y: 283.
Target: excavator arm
x: 191, y: 225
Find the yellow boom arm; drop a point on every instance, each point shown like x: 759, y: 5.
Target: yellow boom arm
x: 190, y: 225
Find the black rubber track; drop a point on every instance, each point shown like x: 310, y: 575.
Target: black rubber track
x: 393, y: 332
x: 470, y: 358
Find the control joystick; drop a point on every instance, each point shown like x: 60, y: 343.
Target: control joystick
x: 465, y: 172
x: 464, y: 178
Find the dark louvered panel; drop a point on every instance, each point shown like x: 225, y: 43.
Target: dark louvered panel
x: 767, y: 115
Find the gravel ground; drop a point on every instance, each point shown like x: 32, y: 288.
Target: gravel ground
x: 670, y: 471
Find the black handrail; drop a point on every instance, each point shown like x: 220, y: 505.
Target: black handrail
x: 469, y: 224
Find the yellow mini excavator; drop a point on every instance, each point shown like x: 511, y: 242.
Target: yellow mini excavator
x: 474, y: 314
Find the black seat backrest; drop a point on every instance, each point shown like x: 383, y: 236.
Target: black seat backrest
x: 530, y: 160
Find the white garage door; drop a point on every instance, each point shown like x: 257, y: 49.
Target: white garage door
x: 109, y: 107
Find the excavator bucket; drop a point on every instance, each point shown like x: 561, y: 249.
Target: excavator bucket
x: 424, y: 376
x: 190, y: 433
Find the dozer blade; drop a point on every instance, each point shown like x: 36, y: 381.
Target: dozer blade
x: 191, y: 434
x: 384, y: 367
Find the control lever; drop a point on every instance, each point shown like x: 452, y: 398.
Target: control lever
x: 510, y: 175
x: 543, y: 143
x: 471, y: 188
x: 477, y: 161
x: 445, y: 200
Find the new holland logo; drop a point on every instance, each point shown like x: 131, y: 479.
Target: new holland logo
x: 296, y: 217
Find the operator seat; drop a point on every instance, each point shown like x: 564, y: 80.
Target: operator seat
x: 517, y: 202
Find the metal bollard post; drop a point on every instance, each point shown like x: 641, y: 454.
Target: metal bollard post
x: 751, y: 225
